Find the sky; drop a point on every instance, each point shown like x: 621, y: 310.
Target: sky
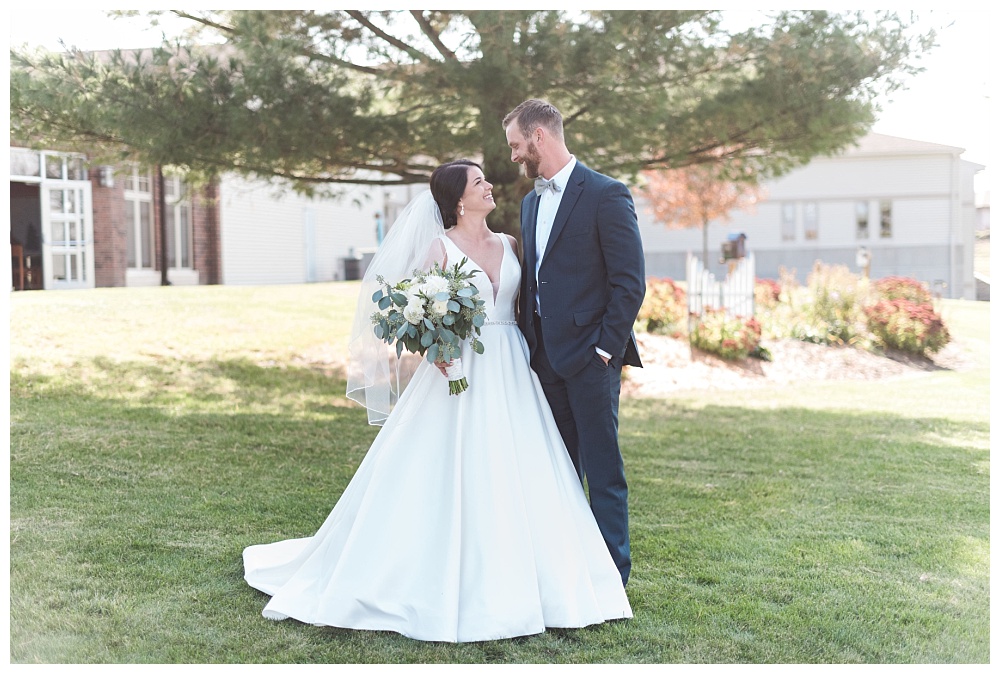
x: 949, y: 103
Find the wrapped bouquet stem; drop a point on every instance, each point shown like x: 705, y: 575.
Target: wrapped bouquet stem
x: 432, y: 314
x: 456, y: 377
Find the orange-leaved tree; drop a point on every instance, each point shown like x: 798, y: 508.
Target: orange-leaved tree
x: 695, y: 195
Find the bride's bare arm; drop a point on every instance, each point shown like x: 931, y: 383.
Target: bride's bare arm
x: 513, y: 247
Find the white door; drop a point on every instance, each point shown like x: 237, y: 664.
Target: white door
x: 67, y: 234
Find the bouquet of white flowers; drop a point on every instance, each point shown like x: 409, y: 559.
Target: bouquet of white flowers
x: 431, y: 314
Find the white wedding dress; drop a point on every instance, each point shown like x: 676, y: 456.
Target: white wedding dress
x: 465, y: 521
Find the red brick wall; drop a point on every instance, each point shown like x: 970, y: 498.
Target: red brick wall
x: 110, y: 255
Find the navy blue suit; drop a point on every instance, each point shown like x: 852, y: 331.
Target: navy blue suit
x: 591, y: 284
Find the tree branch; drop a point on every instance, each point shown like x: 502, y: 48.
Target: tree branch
x: 432, y: 35
x: 229, y: 30
x: 395, y: 42
x: 308, y: 53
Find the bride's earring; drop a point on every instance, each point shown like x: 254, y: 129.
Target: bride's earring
x: 462, y: 212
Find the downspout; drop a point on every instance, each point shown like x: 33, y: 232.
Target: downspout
x: 955, y: 213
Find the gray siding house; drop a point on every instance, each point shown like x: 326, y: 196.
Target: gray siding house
x: 909, y: 204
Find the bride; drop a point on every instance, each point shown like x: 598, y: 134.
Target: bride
x: 466, y: 520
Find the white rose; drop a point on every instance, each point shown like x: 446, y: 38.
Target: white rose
x: 413, y: 299
x: 413, y: 312
x: 434, y: 285
x: 439, y: 307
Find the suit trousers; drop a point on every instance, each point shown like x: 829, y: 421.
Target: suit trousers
x: 585, y: 408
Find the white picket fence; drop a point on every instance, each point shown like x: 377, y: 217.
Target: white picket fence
x: 734, y: 293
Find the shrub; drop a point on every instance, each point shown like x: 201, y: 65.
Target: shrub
x: 664, y: 310
x: 907, y: 326
x: 902, y: 288
x: 833, y: 310
x: 766, y: 293
x: 730, y: 337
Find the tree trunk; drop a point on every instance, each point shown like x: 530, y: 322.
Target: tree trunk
x: 497, y: 88
x: 704, y: 242
x: 161, y: 203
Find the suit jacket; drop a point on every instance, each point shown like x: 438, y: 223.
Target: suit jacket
x: 592, y: 279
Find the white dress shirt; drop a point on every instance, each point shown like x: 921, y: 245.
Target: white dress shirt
x: 548, y: 206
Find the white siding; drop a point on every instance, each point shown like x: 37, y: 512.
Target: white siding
x: 264, y: 232
x: 874, y: 177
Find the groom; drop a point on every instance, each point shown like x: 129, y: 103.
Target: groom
x: 582, y: 284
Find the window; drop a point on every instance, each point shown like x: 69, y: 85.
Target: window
x: 810, y: 220
x: 179, y: 250
x: 139, y: 219
x: 861, y: 216
x: 885, y: 219
x: 788, y: 221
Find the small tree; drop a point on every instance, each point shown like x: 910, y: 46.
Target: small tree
x: 695, y: 195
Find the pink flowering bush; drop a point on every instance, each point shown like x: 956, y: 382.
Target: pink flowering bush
x: 664, y: 310
x: 730, y: 337
x: 907, y: 326
x: 902, y: 288
x: 766, y: 293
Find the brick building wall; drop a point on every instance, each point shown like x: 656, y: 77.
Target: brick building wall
x: 110, y: 255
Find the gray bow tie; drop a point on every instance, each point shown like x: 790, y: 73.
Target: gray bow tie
x: 541, y: 184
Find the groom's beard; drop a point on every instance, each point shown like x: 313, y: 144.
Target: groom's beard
x: 531, y: 161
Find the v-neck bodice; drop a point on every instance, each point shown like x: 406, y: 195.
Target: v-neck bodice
x: 499, y: 302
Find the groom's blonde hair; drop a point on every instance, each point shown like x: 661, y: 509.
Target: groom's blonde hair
x: 534, y: 113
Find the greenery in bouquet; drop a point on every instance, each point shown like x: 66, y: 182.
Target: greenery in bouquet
x: 432, y: 313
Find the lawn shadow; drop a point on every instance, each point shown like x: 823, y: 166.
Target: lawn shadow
x: 759, y: 535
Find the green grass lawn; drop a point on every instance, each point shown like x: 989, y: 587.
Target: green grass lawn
x: 157, y: 432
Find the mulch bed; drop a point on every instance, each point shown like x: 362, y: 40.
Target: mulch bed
x: 671, y: 365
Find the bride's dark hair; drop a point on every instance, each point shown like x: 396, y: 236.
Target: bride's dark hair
x: 448, y: 183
